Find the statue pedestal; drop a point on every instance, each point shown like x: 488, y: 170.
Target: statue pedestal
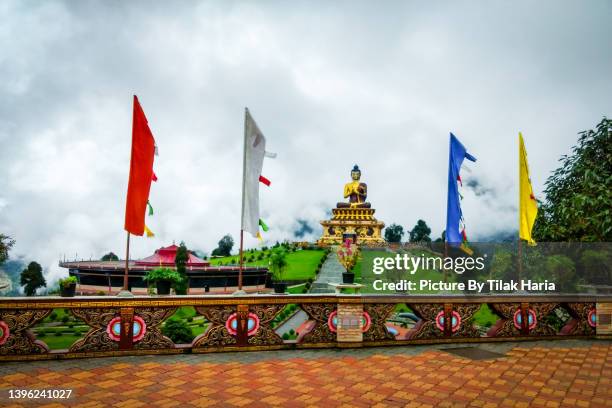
x: 357, y: 224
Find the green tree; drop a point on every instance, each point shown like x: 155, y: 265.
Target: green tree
x: 180, y: 260
x: 278, y: 263
x: 420, y: 232
x: 442, y: 237
x: 177, y: 330
x: 596, y: 266
x: 6, y: 243
x: 225, y: 246
x: 32, y: 278
x: 578, y: 201
x: 110, y: 257
x: 394, y: 233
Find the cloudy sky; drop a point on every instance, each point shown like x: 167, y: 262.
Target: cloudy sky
x: 330, y: 85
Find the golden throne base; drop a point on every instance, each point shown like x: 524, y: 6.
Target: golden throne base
x: 359, y: 222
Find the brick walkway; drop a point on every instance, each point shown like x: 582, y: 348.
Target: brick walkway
x: 545, y: 374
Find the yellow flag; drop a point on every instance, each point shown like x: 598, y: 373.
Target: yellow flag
x: 149, y: 233
x: 528, y: 206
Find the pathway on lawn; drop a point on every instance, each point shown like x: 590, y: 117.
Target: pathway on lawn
x: 331, y: 272
x: 540, y: 374
x: 293, y: 322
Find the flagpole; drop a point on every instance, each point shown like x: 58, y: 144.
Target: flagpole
x: 444, y: 261
x: 241, y: 266
x: 127, y: 257
x: 520, y: 246
x: 241, y: 260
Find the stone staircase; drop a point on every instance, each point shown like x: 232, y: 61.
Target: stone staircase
x: 331, y: 272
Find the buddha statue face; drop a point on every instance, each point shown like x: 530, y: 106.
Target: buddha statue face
x: 356, y: 173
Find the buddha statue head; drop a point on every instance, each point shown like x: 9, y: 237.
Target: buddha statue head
x: 356, y: 173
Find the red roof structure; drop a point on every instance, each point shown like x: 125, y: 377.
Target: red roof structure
x: 164, y: 256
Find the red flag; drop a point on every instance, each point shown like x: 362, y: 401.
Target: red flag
x: 264, y: 181
x: 141, y: 172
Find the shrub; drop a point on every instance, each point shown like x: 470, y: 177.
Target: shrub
x: 190, y: 319
x: 178, y: 331
x: 41, y: 334
x: 53, y: 316
x: 100, y: 293
x: 291, y: 332
x: 286, y: 336
x: 70, y: 325
x: 159, y: 274
x: 58, y: 333
x: 65, y: 318
x: 66, y: 282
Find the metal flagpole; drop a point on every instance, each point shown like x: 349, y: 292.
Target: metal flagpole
x: 241, y: 266
x: 520, y: 246
x: 127, y: 257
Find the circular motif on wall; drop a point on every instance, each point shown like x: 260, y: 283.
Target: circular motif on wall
x: 531, y: 319
x: 139, y: 328
x: 592, y: 318
x: 4, y: 332
x: 455, y: 320
x: 332, y: 321
x: 231, y: 324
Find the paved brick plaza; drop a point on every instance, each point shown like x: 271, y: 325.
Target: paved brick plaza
x: 545, y: 374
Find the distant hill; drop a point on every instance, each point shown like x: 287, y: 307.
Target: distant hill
x: 10, y: 272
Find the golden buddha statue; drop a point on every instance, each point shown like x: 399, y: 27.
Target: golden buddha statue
x: 355, y: 191
x: 354, y: 220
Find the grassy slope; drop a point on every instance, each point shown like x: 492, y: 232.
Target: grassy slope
x: 301, y: 264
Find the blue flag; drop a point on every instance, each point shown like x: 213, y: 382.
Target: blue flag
x: 455, y: 234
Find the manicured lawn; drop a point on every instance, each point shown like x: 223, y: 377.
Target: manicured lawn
x: 297, y: 289
x: 485, y: 316
x: 60, y: 342
x: 301, y: 264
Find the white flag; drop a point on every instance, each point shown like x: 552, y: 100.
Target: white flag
x: 254, y: 152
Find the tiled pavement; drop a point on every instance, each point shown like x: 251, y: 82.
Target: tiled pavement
x: 544, y: 374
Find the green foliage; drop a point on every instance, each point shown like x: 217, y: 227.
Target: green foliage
x: 225, y: 246
x: 32, y: 278
x: 563, y: 270
x: 286, y: 336
x: 578, y: 194
x: 53, y: 316
x: 485, y: 316
x: 596, y: 266
x: 65, y: 318
x: 162, y: 274
x: 178, y: 331
x: 420, y: 232
x: 180, y: 260
x: 6, y: 243
x: 66, y: 282
x: 110, y: 257
x: 278, y: 264
x: 394, y: 233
